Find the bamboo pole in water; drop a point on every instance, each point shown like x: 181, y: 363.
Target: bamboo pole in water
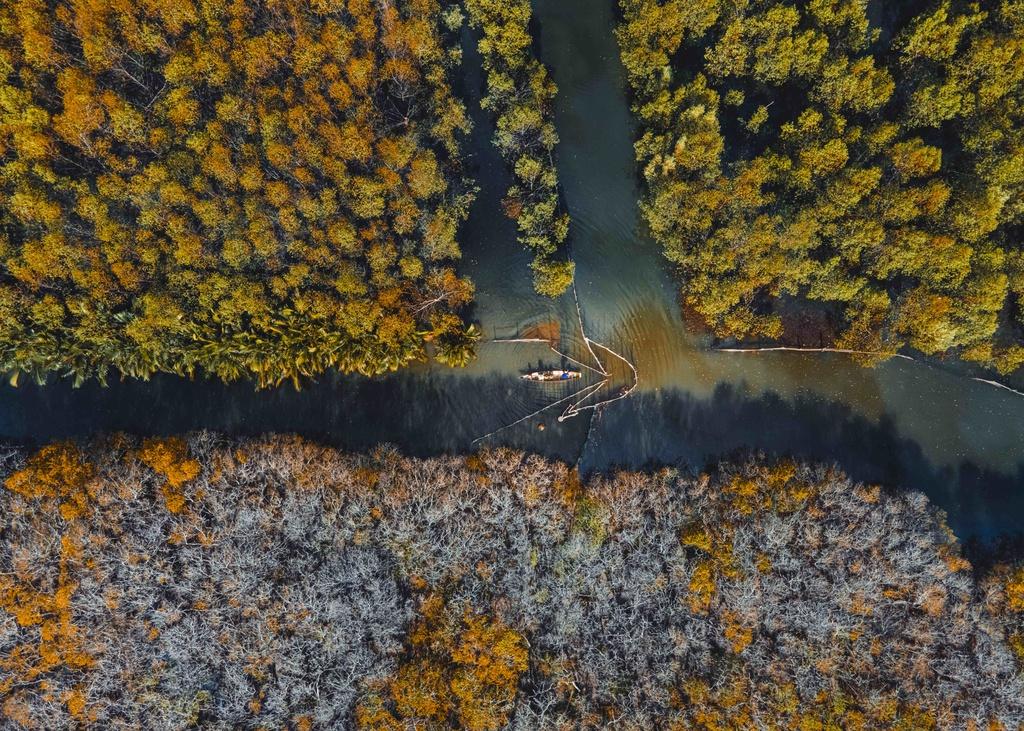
x: 844, y: 351
x: 583, y: 330
x: 574, y: 408
x: 581, y: 365
x: 539, y: 411
x: 521, y: 340
x: 624, y: 394
x: 553, y: 349
x: 997, y: 384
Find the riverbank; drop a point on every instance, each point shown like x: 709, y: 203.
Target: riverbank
x: 279, y: 583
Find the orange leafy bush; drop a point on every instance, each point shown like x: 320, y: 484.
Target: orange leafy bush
x: 170, y: 458
x: 58, y: 472
x: 60, y: 645
x: 1015, y: 590
x: 468, y: 666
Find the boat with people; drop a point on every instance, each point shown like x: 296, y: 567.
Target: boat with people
x: 553, y: 375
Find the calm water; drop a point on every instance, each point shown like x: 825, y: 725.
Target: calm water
x: 902, y: 423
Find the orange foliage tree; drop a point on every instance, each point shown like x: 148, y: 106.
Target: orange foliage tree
x: 56, y: 478
x: 459, y: 667
x: 170, y: 458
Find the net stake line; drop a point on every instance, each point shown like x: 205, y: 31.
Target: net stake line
x: 583, y: 330
x: 844, y: 351
x: 539, y: 411
x: 553, y: 349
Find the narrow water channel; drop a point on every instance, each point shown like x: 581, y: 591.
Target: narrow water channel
x: 902, y: 424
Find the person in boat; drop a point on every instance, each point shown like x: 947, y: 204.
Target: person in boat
x: 553, y: 375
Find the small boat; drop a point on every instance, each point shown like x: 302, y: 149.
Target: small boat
x: 556, y: 375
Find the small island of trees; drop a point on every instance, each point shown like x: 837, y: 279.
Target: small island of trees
x: 519, y: 94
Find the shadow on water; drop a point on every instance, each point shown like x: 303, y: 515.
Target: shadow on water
x: 422, y: 412
x: 675, y: 427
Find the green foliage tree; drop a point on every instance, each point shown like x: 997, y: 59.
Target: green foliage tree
x: 882, y: 180
x: 552, y: 277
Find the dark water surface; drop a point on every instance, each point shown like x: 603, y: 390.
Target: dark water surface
x: 902, y: 424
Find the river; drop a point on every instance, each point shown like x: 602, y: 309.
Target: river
x: 903, y: 424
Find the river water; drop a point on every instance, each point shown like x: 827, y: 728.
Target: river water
x: 909, y: 425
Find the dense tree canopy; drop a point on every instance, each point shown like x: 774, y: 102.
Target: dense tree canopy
x: 211, y: 583
x: 519, y: 94
x: 249, y: 189
x: 795, y: 152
